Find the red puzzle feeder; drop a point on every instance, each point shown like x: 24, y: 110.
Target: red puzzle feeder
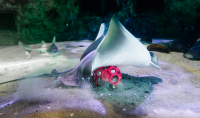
x: 105, y: 74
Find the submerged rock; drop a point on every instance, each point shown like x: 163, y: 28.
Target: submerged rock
x: 159, y: 48
x: 194, y: 52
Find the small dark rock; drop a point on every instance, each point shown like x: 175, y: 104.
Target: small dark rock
x: 133, y: 104
x: 68, y: 46
x: 127, y: 88
x: 81, y: 46
x: 158, y: 47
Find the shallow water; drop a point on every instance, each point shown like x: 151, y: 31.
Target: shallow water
x: 173, y: 91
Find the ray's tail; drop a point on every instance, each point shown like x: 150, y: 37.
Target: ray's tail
x: 54, y: 73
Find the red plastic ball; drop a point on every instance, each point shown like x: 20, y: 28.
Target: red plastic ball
x: 110, y: 74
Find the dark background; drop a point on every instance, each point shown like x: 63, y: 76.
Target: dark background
x: 31, y: 21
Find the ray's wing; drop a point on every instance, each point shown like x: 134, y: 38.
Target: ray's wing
x: 82, y: 69
x: 101, y: 31
x: 54, y: 40
x: 53, y: 48
x: 95, y: 44
x: 120, y: 48
x: 43, y: 45
x: 25, y: 47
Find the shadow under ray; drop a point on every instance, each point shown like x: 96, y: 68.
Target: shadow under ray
x: 131, y: 92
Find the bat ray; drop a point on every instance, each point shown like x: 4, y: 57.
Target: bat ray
x: 53, y: 48
x: 116, y: 32
x: 121, y: 49
x: 43, y: 48
x: 97, y: 41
